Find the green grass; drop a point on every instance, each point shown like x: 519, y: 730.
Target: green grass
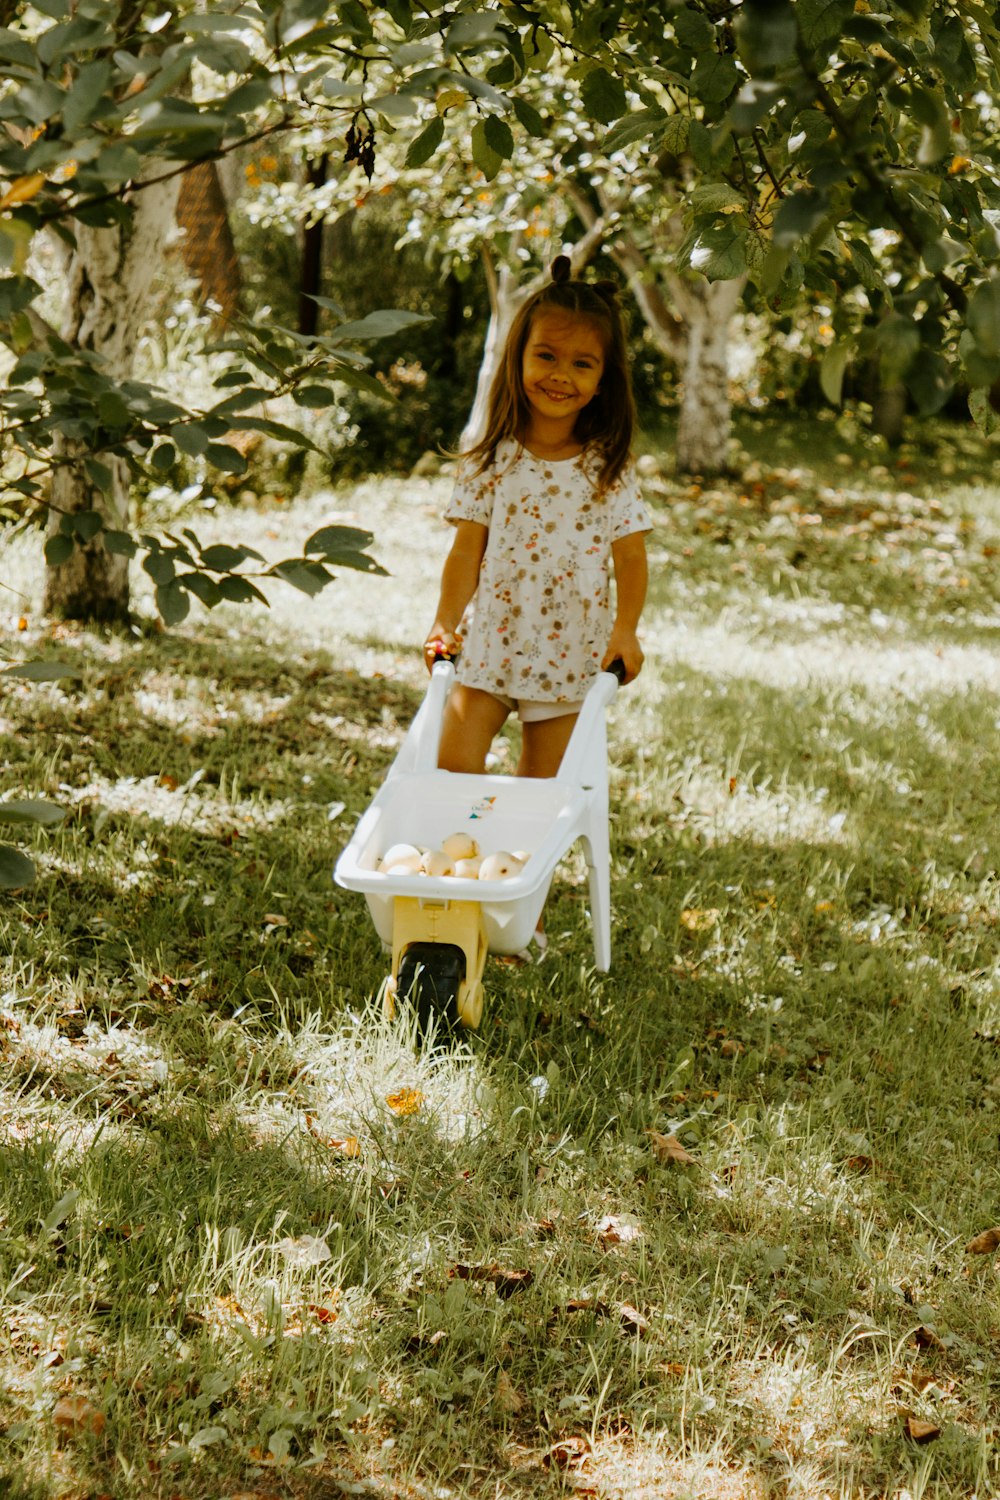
x: 221, y: 1226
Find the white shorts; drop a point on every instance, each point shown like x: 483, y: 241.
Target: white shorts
x: 534, y: 711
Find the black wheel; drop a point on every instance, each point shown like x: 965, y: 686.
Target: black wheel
x: 429, y: 976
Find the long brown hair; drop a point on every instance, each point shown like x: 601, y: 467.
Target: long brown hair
x: 607, y: 423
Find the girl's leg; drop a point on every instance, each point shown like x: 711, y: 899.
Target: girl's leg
x: 543, y: 744
x: 471, y: 719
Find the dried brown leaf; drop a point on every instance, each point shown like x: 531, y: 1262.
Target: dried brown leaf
x: 926, y: 1338
x: 633, y: 1321
x: 505, y: 1397
x: 77, y: 1414
x: 668, y: 1148
x: 618, y: 1229
x: 569, y: 1452
x: 984, y: 1243
x: 921, y: 1432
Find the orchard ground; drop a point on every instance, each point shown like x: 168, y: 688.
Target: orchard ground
x: 698, y: 1227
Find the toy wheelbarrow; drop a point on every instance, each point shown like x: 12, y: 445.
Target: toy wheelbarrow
x: 441, y: 928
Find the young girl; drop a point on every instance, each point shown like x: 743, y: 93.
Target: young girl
x: 540, y: 504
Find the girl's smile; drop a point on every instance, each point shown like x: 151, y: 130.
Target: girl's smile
x: 561, y: 370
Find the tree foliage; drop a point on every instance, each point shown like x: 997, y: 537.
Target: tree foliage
x: 819, y: 131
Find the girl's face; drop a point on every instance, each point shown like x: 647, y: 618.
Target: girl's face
x: 561, y: 366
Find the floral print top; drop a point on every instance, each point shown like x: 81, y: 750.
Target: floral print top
x: 540, y: 620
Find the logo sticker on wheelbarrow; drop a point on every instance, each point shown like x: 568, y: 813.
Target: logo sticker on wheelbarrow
x: 482, y: 808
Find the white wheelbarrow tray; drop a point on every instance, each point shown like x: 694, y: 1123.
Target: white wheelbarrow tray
x: 419, y: 804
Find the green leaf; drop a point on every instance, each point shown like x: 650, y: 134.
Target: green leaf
x: 377, y: 325
x: 99, y: 475
x: 190, y: 438
x: 714, y: 77
x: 119, y: 543
x: 718, y: 253
x: 983, y: 414
x: 16, y: 869
x: 32, y: 810
x: 309, y: 577
x: 343, y: 546
x: 58, y: 549
x: 820, y: 20
x: 486, y: 159
x: 204, y: 588
x: 424, y: 145
x: 472, y: 30
x: 693, y: 30
x: 164, y: 457
x: 228, y: 459
x: 16, y: 293
x: 798, y: 216
x: 528, y: 117
x: 239, y: 590
x: 603, y: 96
x: 41, y: 671
x: 113, y: 410
x: 314, y: 396
x: 675, y: 135
x: 929, y: 383
x: 172, y: 602
x: 636, y: 126
x: 159, y: 567
x: 766, y: 34
x: 222, y: 558
x: 983, y: 317
x: 831, y: 371
x: 499, y: 136
x: 898, y: 340
x: 86, y: 94
x: 716, y: 197
x: 86, y: 524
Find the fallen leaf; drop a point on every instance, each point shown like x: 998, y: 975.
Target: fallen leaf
x: 275, y: 919
x: 618, y: 1229
x: 731, y: 1048
x: 505, y: 1397
x: 22, y: 622
x: 984, y: 1243
x: 347, y: 1145
x: 588, y: 1304
x: 405, y: 1101
x: 568, y: 1453
x: 633, y: 1321
x: 921, y: 1432
x: 307, y: 1250
x: 859, y: 1164
x: 322, y: 1312
x: 697, y: 920
x: 170, y: 782
x: 76, y: 1414
x: 506, y: 1282
x: 669, y: 1148
x: 926, y: 1338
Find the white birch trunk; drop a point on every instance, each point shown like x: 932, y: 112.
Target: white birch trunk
x: 109, y: 278
x: 506, y: 296
x: 707, y: 310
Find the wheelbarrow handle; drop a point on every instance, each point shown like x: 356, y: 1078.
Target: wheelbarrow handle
x: 617, y: 669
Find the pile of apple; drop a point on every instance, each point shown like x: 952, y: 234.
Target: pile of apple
x: 457, y: 855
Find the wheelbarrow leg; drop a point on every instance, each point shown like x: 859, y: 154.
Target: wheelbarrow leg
x: 597, y: 850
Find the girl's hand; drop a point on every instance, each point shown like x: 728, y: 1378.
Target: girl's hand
x: 441, y: 643
x: 624, y: 643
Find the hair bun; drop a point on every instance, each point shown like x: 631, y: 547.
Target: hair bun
x: 561, y: 269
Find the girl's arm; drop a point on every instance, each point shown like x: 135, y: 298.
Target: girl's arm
x: 628, y: 555
x: 459, y: 578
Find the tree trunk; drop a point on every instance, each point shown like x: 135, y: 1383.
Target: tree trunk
x: 207, y: 244
x: 109, y: 277
x: 706, y: 413
x: 506, y: 296
x: 311, y: 266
